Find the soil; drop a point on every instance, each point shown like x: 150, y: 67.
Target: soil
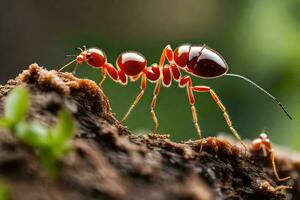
x: 110, y: 162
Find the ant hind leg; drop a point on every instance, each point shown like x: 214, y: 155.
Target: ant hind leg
x: 223, y: 109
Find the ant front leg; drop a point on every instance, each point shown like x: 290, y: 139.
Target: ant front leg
x: 223, y: 109
x: 75, y: 69
x: 138, y: 98
x: 111, y: 71
x: 103, y: 77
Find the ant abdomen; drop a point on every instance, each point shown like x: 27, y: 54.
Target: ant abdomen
x: 131, y: 63
x: 205, y: 62
x: 200, y: 61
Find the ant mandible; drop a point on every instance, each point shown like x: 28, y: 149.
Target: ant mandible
x: 198, y: 61
x: 262, y: 143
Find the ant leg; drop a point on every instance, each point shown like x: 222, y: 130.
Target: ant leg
x: 167, y: 76
x: 223, y: 109
x: 109, y: 69
x: 167, y: 53
x: 153, y: 74
x: 193, y: 109
x: 103, y: 77
x: 274, y: 168
x: 175, y: 72
x: 282, y: 187
x: 266, y: 185
x: 138, y: 98
x: 122, y: 77
x: 75, y: 69
x: 134, y: 78
x: 264, y: 151
x: 187, y: 81
x: 153, y: 104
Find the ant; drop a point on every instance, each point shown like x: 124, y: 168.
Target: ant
x: 263, y: 143
x: 198, y: 61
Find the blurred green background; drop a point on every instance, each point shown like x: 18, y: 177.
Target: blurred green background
x: 258, y: 39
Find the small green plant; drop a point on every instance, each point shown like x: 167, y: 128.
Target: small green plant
x: 4, y: 192
x: 15, y: 108
x: 49, y: 143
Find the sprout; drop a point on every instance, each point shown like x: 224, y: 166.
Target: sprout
x: 50, y: 144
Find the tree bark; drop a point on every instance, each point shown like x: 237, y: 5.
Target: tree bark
x: 109, y: 162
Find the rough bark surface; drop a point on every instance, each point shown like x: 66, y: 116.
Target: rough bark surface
x: 109, y: 162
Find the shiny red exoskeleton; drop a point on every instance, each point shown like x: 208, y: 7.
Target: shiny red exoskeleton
x: 199, y: 61
x: 263, y: 143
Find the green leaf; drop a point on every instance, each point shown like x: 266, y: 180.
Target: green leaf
x: 5, y: 123
x: 50, y: 144
x: 4, y: 193
x: 64, y: 128
x: 49, y: 162
x: 16, y: 104
x: 32, y: 134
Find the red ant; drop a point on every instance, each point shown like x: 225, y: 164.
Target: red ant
x: 263, y: 143
x: 199, y: 61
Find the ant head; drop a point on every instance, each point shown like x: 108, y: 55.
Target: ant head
x: 82, y: 57
x: 264, y: 140
x: 263, y: 136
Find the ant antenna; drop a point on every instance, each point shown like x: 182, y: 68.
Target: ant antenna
x: 264, y: 129
x: 66, y: 65
x: 263, y: 90
x: 70, y: 56
x: 78, y: 48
